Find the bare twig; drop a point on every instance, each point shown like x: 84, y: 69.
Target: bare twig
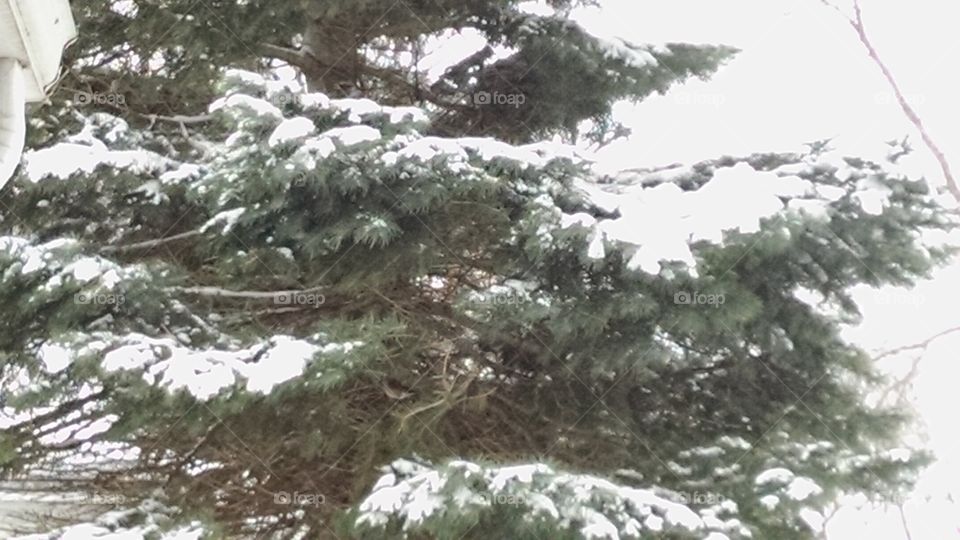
x: 903, y: 521
x: 860, y: 28
x: 900, y: 386
x: 921, y: 345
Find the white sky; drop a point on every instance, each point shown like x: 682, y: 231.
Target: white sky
x: 803, y: 76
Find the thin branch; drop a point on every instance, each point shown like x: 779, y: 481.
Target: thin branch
x: 147, y: 244
x: 179, y: 118
x: 244, y: 295
x: 900, y: 387
x: 860, y: 28
x: 290, y: 56
x: 903, y: 521
x: 921, y: 345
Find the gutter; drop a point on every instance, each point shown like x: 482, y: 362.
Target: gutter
x: 13, y: 127
x: 33, y: 35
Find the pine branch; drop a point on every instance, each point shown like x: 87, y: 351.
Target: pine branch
x: 293, y: 57
x: 245, y: 295
x: 179, y: 118
x: 148, y: 244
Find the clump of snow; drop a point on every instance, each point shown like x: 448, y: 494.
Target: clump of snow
x: 66, y: 159
x: 460, y: 150
x: 285, y: 360
x: 633, y: 55
x: 227, y: 218
x: 351, y: 135
x: 872, y: 196
x: 658, y: 220
x: 291, y: 129
x: 776, y: 475
x: 356, y: 109
x: 242, y: 104
x: 183, y: 172
x: 54, y: 358
x: 798, y: 488
x: 146, y: 522
x: 313, y: 101
x: 410, y: 493
x: 206, y: 372
x: 802, y: 488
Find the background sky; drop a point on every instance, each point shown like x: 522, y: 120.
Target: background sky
x: 802, y: 76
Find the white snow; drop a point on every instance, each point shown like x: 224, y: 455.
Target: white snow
x: 183, y: 172
x: 901, y: 455
x: 205, y: 373
x: 227, y: 218
x: 802, y: 488
x: 775, y: 475
x: 660, y: 222
x: 633, y: 55
x: 285, y: 360
x: 356, y: 109
x: 459, y: 150
x: 66, y: 159
x: 314, y: 100
x: 55, y: 358
x: 236, y: 103
x: 291, y: 129
x: 872, y: 201
x: 572, y: 500
x: 351, y: 135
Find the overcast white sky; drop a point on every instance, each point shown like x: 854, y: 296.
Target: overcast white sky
x: 803, y: 76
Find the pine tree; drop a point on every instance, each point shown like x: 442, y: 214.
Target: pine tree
x: 379, y: 307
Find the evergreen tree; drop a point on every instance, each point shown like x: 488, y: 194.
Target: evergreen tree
x: 379, y: 306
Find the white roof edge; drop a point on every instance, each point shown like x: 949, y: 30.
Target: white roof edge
x: 46, y: 28
x: 13, y: 125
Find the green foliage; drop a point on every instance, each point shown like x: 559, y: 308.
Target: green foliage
x: 245, y: 311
